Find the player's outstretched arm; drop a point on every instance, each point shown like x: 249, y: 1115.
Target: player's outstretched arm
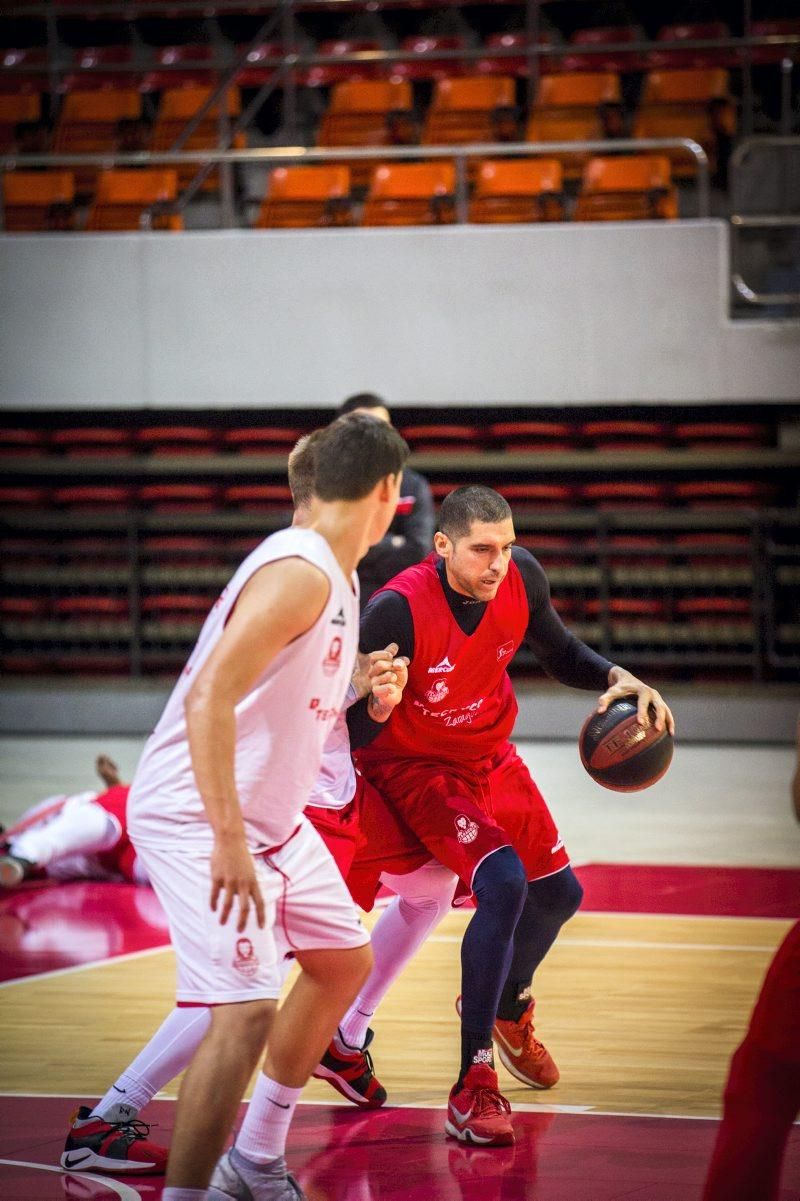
x: 279, y: 603
x: 623, y: 683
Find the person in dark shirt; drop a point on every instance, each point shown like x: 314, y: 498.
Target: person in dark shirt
x: 445, y: 763
x: 410, y: 536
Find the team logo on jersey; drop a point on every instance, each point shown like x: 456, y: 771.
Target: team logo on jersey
x: 559, y: 845
x: 245, y: 959
x: 445, y: 665
x: 437, y: 692
x: 333, y: 660
x: 466, y: 828
x: 339, y: 619
x: 504, y: 651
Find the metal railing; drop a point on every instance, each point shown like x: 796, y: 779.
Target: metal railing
x: 765, y: 221
x: 275, y: 156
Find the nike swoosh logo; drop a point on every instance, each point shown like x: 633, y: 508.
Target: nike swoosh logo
x: 365, y: 1015
x: 72, y: 1161
x: 460, y: 1118
x: 118, y: 1090
x: 280, y: 1106
x: 515, y: 1051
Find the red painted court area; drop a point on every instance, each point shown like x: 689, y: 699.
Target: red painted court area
x: 340, y: 1154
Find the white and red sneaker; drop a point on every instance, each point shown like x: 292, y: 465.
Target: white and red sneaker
x: 477, y: 1112
x: 94, y: 1145
x: 522, y: 1054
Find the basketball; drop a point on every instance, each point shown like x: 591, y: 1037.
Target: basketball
x: 619, y: 753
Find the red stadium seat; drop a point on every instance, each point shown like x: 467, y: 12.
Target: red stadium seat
x: 258, y: 70
x: 621, y: 494
x: 549, y: 496
x: 722, y: 435
x: 258, y: 498
x: 533, y: 435
x: 191, y: 59
x: 612, y: 60
x: 92, y: 440
x: 322, y: 75
x: 90, y: 59
x: 262, y: 439
x: 430, y: 67
x: 93, y: 496
x: 23, y: 497
x: 433, y: 439
x: 179, y: 498
x: 763, y: 55
x: 732, y: 494
x: 626, y: 435
x: 736, y: 549
x: 27, y: 442
x: 670, y: 60
x: 176, y: 440
x: 518, y: 66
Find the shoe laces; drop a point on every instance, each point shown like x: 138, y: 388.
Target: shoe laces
x: 530, y: 1042
x: 132, y: 1130
x: 488, y: 1101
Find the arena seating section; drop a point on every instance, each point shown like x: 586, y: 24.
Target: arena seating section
x: 671, y: 541
x: 136, y: 84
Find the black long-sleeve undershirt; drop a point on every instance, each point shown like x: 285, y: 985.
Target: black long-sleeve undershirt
x: 560, y: 653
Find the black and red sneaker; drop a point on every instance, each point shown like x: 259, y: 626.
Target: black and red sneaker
x: 94, y: 1145
x: 350, y: 1071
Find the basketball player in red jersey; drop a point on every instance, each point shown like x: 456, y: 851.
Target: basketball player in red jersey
x: 444, y: 760
x: 762, y: 1095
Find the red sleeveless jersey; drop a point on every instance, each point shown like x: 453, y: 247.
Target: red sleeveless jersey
x: 458, y: 704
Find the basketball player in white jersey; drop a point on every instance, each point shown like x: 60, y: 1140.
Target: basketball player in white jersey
x: 215, y: 812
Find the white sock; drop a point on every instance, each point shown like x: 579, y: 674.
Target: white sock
x: 169, y: 1051
x: 84, y: 829
x: 423, y: 899
x: 264, y: 1129
x: 184, y: 1194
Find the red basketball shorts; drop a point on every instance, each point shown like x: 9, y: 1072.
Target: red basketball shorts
x: 461, y: 813
x: 339, y: 830
x: 122, y: 857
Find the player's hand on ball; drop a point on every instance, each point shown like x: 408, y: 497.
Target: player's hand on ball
x: 233, y: 876
x: 623, y: 683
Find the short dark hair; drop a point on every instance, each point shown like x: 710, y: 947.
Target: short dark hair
x: 301, y: 469
x: 473, y: 502
x: 353, y: 453
x: 361, y: 400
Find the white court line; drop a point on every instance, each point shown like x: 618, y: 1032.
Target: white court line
x: 636, y: 944
x: 123, y: 1191
x: 82, y: 967
x: 518, y: 1107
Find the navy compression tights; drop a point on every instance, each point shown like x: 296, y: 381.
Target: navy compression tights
x: 514, y: 926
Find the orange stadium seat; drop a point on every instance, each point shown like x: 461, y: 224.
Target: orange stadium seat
x: 411, y: 194
x: 430, y: 67
x: 90, y: 122
x: 574, y: 108
x: 135, y: 199
x: 15, y: 109
x: 518, y: 190
x: 476, y: 108
x: 368, y: 112
x: 299, y: 197
x: 178, y: 107
x: 617, y: 188
x: 686, y: 104
x: 38, y: 200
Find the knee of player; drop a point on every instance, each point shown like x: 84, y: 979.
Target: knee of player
x: 247, y: 1023
x: 570, y: 893
x: 501, y: 880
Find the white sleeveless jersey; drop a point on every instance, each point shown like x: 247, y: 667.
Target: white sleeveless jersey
x: 335, y: 786
x: 281, y: 724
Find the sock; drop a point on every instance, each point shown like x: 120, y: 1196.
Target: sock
x: 83, y: 829
x: 423, y: 899
x: 169, y: 1051
x: 548, y: 905
x: 500, y: 888
x: 475, y: 1049
x: 262, y: 1136
x: 184, y: 1194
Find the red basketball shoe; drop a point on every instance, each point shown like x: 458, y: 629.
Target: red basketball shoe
x: 94, y: 1145
x: 476, y: 1110
x: 351, y: 1073
x: 522, y: 1053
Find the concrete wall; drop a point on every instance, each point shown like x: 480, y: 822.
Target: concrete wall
x: 460, y: 316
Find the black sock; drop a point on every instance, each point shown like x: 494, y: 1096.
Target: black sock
x: 475, y: 1048
x: 514, y: 1000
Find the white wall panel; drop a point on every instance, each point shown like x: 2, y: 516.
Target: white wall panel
x: 552, y: 314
